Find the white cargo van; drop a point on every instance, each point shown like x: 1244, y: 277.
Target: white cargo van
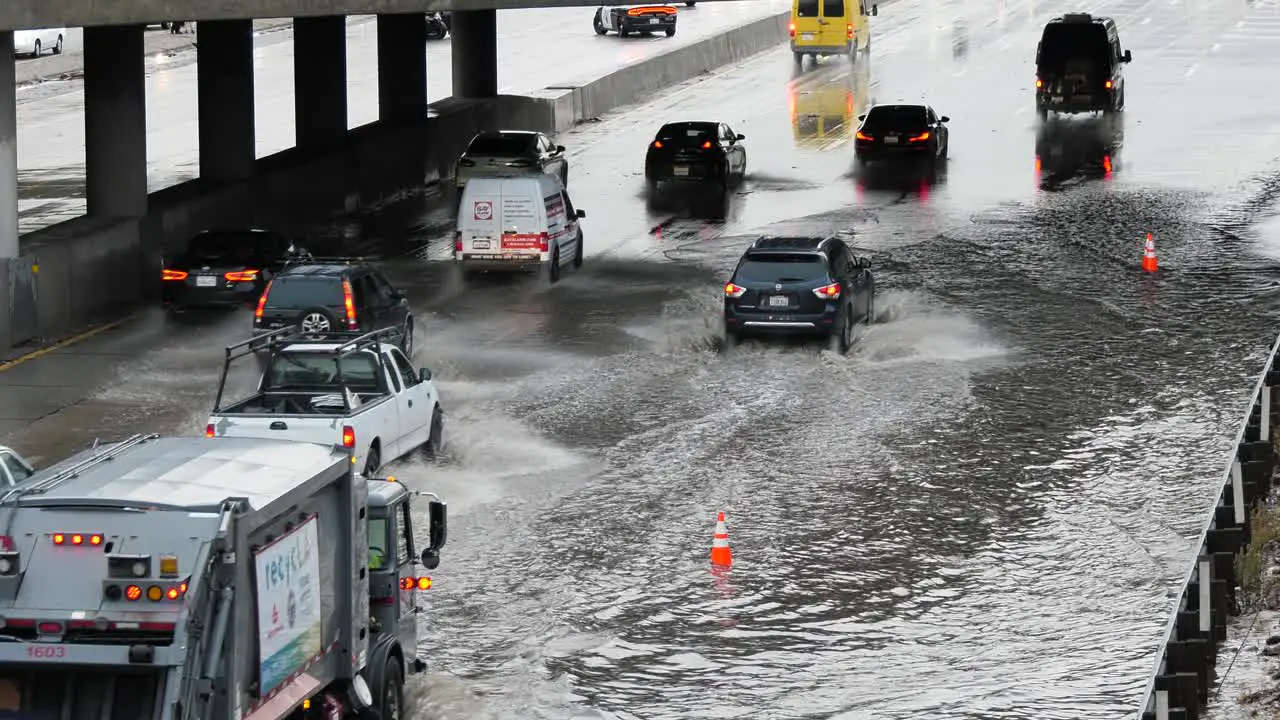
x: 516, y: 224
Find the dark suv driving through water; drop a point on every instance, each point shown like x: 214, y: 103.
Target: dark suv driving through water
x: 806, y: 286
x: 1079, y: 66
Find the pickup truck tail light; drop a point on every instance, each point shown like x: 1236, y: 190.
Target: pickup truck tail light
x: 544, y: 242
x: 209, y: 430
x: 348, y: 436
x: 349, y: 301
x: 415, y: 583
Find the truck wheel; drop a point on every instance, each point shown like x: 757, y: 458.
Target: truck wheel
x: 671, y: 31
x: 391, y: 706
x: 577, y: 254
x: 373, y: 462
x: 553, y: 270
x: 406, y: 339
x: 599, y: 26
x: 434, y: 447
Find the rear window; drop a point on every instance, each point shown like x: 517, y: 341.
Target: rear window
x: 807, y: 8
x: 303, y: 370
x: 775, y: 267
x: 833, y: 8
x: 500, y: 145
x: 1081, y: 43
x: 688, y: 133
x: 901, y: 117
x: 297, y: 292
x: 224, y: 247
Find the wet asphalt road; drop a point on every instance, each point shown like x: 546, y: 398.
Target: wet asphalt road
x: 51, y: 116
x: 981, y: 512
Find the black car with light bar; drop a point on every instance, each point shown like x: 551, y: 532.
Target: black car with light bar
x: 696, y: 152
x: 902, y: 132
x: 225, y: 268
x: 635, y: 19
x: 1080, y: 66
x: 799, y: 286
x: 335, y: 294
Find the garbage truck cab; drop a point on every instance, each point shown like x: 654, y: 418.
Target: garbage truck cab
x: 209, y: 579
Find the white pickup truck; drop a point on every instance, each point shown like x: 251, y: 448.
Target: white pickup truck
x: 358, y: 391
x: 13, y: 467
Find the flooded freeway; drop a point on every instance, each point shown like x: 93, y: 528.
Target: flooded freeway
x: 980, y: 512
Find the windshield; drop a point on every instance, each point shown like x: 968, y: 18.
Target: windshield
x: 1083, y: 45
x: 501, y: 145
x: 778, y: 267
x: 308, y: 370
x: 297, y: 292
x: 896, y: 117
x: 224, y: 247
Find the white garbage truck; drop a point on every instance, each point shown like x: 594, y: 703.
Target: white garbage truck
x: 211, y: 579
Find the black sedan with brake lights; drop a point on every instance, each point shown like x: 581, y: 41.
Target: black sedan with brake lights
x: 902, y: 132
x: 702, y: 152
x: 799, y: 286
x: 225, y: 268
x: 507, y: 153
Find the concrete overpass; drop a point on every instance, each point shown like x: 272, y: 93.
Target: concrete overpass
x: 59, y: 279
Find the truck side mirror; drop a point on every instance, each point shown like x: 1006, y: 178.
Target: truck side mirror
x: 581, y: 214
x: 559, y: 148
x: 875, y: 9
x: 1128, y: 56
x: 424, y: 374
x: 437, y: 533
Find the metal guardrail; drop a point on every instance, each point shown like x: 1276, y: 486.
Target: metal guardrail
x: 1184, y: 668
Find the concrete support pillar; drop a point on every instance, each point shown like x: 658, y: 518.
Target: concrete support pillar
x: 115, y: 121
x: 402, y: 67
x: 320, y: 80
x: 224, y: 67
x: 8, y: 163
x: 475, y: 53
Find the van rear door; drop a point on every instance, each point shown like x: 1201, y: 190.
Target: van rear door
x: 835, y: 23
x: 524, y: 230
x: 479, y: 229
x: 805, y: 17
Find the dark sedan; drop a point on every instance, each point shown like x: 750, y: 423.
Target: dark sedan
x: 225, y: 268
x: 703, y: 152
x: 505, y: 153
x: 902, y: 133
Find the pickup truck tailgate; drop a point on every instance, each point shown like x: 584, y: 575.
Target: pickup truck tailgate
x: 324, y: 430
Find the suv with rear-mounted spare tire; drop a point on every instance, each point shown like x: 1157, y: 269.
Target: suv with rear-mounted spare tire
x: 335, y: 295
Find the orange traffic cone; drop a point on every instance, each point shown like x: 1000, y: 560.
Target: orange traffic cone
x: 721, y: 555
x: 1149, y: 262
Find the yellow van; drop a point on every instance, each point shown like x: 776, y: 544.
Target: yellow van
x: 830, y: 27
x: 824, y: 114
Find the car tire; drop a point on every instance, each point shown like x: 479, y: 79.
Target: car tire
x: 799, y: 58
x: 57, y: 49
x: 577, y: 254
x: 671, y: 31
x: 36, y: 49
x: 623, y: 33
x: 372, y: 463
x: 553, y: 268
x: 838, y: 341
x: 1042, y: 113
x: 316, y: 320
x: 433, y: 448
x: 690, y: 3
x: 406, y: 338
x: 731, y: 340
x: 870, y: 318
x: 599, y: 26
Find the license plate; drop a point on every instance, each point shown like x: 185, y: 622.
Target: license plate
x: 681, y: 170
x: 1057, y: 98
x: 206, y: 281
x: 890, y: 140
x: 653, y: 21
x: 480, y: 244
x: 779, y: 301
x: 806, y: 36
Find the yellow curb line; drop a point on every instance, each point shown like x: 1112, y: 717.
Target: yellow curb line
x: 59, y: 345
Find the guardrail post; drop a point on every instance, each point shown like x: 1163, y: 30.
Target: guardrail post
x: 1162, y: 705
x: 1205, y: 584
x: 1237, y: 493
x: 1264, y: 432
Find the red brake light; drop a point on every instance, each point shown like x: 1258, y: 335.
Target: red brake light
x: 95, y: 539
x: 172, y: 593
x: 919, y: 138
x: 242, y: 276
x: 133, y: 592
x: 849, y: 30
x: 349, y: 302
x: 348, y: 436
x: 173, y: 274
x: 657, y: 144
x: 791, y: 29
x: 410, y: 583
x: 209, y: 430
x: 77, y: 539
x: 59, y: 538
x: 733, y: 291
x: 262, y: 302
x: 828, y: 292
x: 863, y: 136
x: 424, y: 583
x: 50, y: 628
x: 544, y: 242
x: 182, y: 588
x: 706, y: 145
x: 6, y: 542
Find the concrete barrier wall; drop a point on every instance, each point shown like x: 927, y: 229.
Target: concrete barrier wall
x: 1184, y: 669
x: 92, y: 268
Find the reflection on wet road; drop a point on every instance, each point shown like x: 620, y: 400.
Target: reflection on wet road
x: 981, y: 512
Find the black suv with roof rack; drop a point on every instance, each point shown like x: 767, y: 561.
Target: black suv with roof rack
x: 1080, y: 66
x: 334, y: 294
x: 806, y: 286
